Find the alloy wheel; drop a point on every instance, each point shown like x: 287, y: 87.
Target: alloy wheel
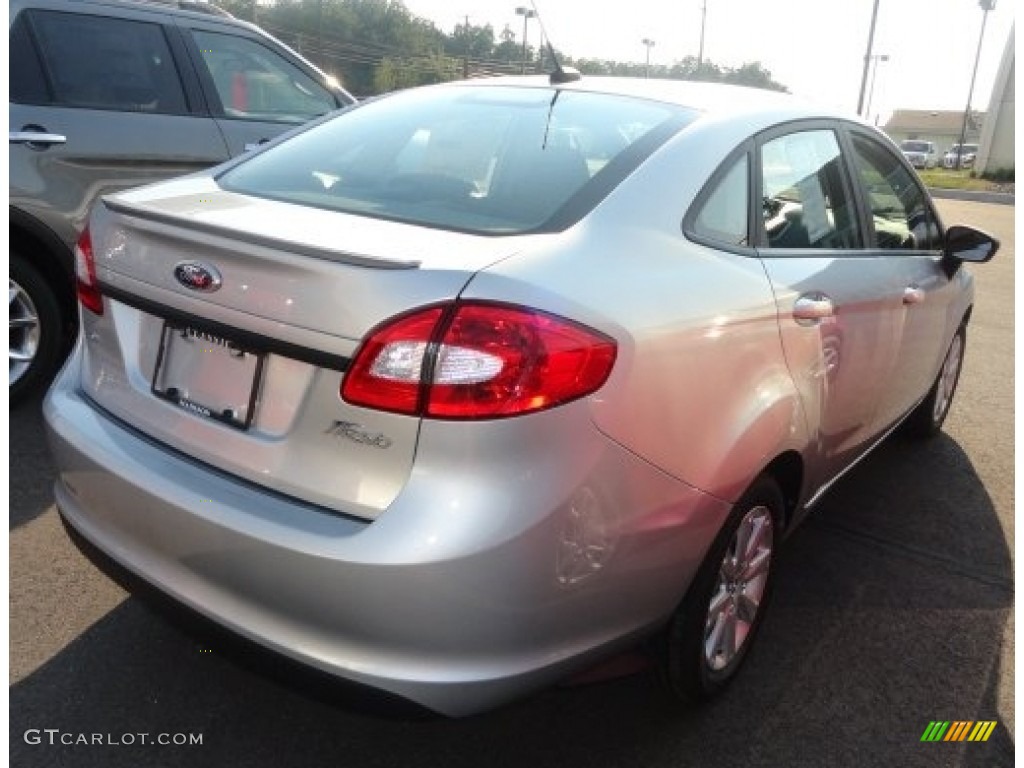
x: 740, y: 588
x: 948, y: 378
x: 25, y: 331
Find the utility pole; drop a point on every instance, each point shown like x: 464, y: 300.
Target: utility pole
x: 867, y: 60
x: 986, y: 6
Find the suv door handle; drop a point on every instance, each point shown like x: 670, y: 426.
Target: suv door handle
x: 40, y: 138
x: 812, y: 308
x: 913, y: 295
x: 254, y: 144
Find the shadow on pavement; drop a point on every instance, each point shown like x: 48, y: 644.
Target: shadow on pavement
x: 890, y: 609
x: 31, y: 468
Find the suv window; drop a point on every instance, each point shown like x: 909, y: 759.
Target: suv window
x: 899, y: 210
x: 723, y: 215
x: 99, y: 62
x: 28, y: 84
x: 254, y: 82
x: 805, y: 204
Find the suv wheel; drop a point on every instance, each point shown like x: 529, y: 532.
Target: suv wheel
x: 36, y: 324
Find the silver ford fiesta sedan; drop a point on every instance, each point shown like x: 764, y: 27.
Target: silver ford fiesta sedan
x: 462, y: 389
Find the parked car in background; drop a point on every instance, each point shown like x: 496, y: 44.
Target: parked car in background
x: 920, y: 154
x: 968, y: 153
x: 461, y: 389
x: 106, y: 95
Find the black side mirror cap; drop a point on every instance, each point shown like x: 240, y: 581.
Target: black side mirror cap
x: 969, y: 244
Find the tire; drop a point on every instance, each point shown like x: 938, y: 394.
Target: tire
x: 926, y: 420
x: 36, y: 330
x: 697, y: 660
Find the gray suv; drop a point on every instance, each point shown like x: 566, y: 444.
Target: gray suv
x: 109, y: 94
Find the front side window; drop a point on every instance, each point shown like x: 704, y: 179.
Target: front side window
x: 899, y: 210
x: 487, y: 159
x: 255, y: 83
x: 100, y: 62
x: 805, y: 204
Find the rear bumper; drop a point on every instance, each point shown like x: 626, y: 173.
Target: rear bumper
x: 462, y: 595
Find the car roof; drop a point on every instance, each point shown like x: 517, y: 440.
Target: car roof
x: 712, y: 99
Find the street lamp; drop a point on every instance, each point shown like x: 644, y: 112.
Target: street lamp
x: 527, y: 14
x: 867, y: 60
x: 703, y: 18
x: 877, y: 57
x: 986, y: 6
x: 648, y: 43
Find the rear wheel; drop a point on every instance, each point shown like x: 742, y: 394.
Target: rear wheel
x: 712, y: 630
x: 927, y: 418
x: 36, y: 328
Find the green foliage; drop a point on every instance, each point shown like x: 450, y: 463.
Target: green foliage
x: 372, y: 46
x: 1000, y: 175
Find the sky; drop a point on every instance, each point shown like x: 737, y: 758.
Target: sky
x: 814, y: 47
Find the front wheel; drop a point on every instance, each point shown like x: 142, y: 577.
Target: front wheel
x: 715, y: 625
x: 927, y: 418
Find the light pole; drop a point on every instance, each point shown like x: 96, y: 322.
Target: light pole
x: 986, y: 6
x: 648, y: 43
x: 874, y: 73
x: 703, y: 18
x: 867, y: 60
x: 527, y: 14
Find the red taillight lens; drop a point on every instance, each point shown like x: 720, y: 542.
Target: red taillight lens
x: 387, y: 374
x: 478, y: 360
x: 87, y: 286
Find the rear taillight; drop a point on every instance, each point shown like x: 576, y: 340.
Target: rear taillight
x: 87, y: 286
x: 477, y: 360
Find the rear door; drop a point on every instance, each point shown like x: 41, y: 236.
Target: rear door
x: 839, y: 302
x: 99, y: 103
x: 256, y: 88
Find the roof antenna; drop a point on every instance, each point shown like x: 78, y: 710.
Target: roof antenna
x: 561, y: 74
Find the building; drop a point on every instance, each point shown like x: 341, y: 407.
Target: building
x: 939, y: 127
x: 996, y: 150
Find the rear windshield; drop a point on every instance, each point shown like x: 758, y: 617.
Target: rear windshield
x: 488, y: 160
x: 915, y: 146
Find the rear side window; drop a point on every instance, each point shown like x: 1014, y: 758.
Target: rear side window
x: 805, y: 204
x: 723, y: 217
x: 485, y: 159
x: 899, y: 210
x: 98, y: 62
x: 253, y: 82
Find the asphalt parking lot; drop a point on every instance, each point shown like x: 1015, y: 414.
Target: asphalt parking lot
x: 893, y: 608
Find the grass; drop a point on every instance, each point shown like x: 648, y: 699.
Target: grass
x: 942, y: 178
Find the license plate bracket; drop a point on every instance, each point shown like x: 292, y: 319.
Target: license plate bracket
x: 208, y: 374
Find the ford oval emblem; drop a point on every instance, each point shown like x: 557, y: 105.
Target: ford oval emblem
x: 197, y: 276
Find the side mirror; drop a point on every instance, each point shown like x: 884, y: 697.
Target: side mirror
x: 969, y: 244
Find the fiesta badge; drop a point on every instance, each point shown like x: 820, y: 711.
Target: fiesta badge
x: 197, y: 276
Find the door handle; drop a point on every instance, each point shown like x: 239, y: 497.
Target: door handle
x: 254, y: 144
x: 812, y: 308
x: 913, y: 295
x: 39, y: 138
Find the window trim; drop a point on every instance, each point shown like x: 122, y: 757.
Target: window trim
x: 849, y: 188
x: 166, y: 30
x: 689, y: 222
x: 209, y: 87
x: 848, y: 131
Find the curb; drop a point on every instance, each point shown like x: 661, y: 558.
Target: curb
x: 998, y: 198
